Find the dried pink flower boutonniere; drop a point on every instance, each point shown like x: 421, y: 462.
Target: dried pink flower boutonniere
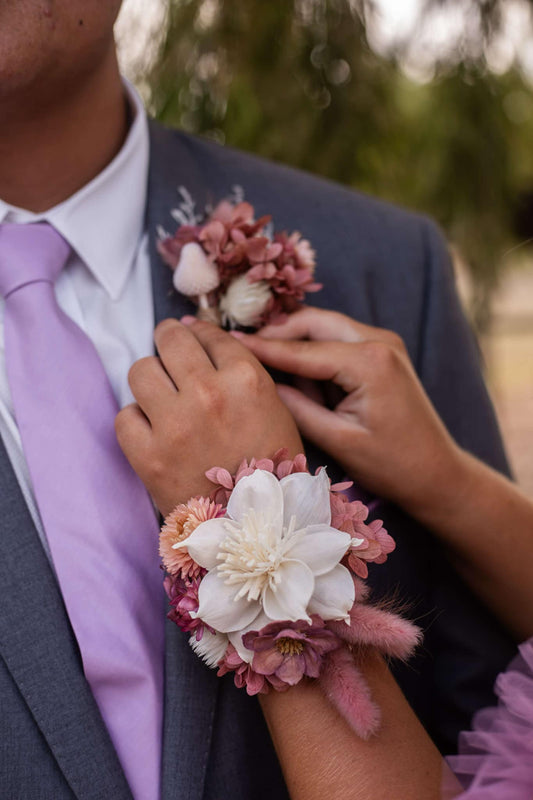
x: 239, y: 271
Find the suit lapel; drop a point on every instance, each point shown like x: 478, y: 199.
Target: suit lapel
x: 190, y: 687
x: 41, y: 653
x: 171, y: 166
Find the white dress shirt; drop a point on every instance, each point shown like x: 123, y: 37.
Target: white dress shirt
x: 106, y: 285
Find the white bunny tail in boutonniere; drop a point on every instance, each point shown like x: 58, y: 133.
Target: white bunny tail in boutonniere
x: 239, y: 271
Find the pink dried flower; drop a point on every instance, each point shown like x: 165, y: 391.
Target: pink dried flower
x: 279, y: 465
x: 283, y: 465
x: 387, y: 631
x: 183, y: 597
x: 233, y: 216
x: 346, y: 687
x: 213, y: 237
x: 170, y: 248
x: 347, y: 514
x: 179, y: 525
x: 376, y: 544
x: 244, y: 675
x: 304, y: 253
x: 293, y: 278
x: 290, y: 650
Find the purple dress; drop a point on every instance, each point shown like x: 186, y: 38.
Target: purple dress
x: 495, y: 760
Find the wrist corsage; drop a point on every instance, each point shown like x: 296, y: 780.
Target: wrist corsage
x: 265, y: 577
x: 240, y: 272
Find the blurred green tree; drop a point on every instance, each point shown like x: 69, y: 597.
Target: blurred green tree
x: 297, y: 81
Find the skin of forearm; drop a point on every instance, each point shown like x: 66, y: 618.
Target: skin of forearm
x: 486, y: 523
x: 321, y: 756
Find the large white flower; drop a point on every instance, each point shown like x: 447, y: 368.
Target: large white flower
x: 274, y: 555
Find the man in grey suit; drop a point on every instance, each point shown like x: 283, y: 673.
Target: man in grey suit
x: 74, y: 153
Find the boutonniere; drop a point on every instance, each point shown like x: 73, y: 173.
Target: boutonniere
x: 239, y: 271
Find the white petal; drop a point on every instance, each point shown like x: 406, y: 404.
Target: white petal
x: 218, y: 607
x: 320, y: 548
x: 235, y: 637
x: 289, y: 601
x: 260, y: 491
x: 334, y: 594
x: 306, y: 497
x: 204, y: 542
x: 211, y: 647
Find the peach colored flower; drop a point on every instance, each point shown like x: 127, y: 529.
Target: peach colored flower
x: 179, y: 525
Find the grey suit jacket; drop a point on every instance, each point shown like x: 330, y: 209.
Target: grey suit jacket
x: 383, y: 266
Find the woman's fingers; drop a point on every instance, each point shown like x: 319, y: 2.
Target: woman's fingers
x: 317, y: 424
x: 325, y: 326
x: 322, y: 361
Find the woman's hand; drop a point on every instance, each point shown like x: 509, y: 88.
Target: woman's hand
x: 205, y: 401
x: 384, y: 432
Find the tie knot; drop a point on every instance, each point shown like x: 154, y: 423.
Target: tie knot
x: 30, y: 253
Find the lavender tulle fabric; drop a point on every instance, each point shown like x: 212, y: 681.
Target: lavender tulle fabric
x: 495, y: 760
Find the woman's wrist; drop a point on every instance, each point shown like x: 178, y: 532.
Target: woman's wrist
x: 449, y: 484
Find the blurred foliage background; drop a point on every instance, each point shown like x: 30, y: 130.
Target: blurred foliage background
x: 303, y: 82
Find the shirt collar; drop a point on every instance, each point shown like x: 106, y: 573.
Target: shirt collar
x: 104, y: 221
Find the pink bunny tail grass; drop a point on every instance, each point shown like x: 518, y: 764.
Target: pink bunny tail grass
x: 346, y: 688
x: 362, y: 590
x: 387, y: 632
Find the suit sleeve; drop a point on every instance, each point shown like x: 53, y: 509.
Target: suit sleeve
x: 468, y: 647
x: 449, y: 362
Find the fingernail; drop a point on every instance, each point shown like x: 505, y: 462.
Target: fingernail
x: 238, y: 334
x: 187, y: 320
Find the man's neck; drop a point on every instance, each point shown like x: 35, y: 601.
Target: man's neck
x: 49, y: 150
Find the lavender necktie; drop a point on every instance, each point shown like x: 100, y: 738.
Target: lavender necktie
x: 98, y: 518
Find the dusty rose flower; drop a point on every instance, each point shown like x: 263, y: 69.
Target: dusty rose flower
x: 370, y: 540
x: 305, y: 254
x: 183, y: 598
x: 279, y: 465
x: 347, y: 515
x: 170, y: 247
x: 245, y: 676
x: 376, y: 546
x: 179, y: 524
x: 283, y: 465
x: 232, y: 216
x: 290, y: 650
x: 214, y: 238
